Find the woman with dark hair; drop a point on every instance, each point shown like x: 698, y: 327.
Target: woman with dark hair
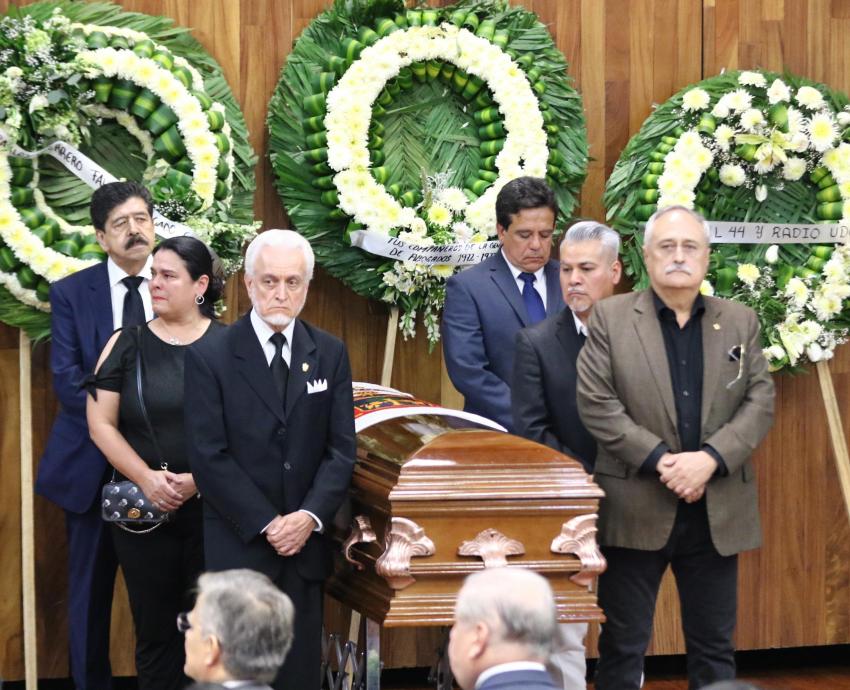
x: 160, y: 566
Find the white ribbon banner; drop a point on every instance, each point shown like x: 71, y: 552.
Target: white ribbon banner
x: 777, y: 233
x: 457, y: 254
x: 94, y: 176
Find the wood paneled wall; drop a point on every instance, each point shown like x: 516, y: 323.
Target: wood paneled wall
x: 625, y: 55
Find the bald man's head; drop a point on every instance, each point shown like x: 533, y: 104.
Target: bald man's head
x: 501, y: 615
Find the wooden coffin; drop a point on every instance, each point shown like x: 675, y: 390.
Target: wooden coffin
x: 435, y: 497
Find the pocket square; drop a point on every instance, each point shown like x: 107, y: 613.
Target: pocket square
x: 317, y: 386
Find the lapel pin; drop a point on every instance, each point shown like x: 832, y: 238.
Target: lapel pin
x: 305, y: 367
x: 717, y: 327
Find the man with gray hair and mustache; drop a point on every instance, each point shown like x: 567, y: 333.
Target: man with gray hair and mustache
x: 544, y: 383
x: 239, y: 632
x: 505, y: 629
x: 675, y: 389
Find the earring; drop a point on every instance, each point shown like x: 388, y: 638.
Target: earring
x: 199, y: 300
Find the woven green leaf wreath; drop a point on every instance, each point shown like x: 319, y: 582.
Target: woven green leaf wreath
x: 407, y: 123
x: 138, y: 97
x: 751, y: 147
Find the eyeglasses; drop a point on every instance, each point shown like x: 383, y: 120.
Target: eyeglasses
x: 183, y: 622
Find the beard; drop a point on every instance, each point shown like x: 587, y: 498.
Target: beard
x: 276, y: 319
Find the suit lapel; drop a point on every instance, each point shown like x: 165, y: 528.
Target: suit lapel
x: 712, y: 353
x: 251, y: 364
x: 567, y: 334
x: 554, y: 298
x: 302, y: 365
x: 101, y: 303
x: 652, y: 343
x: 504, y: 279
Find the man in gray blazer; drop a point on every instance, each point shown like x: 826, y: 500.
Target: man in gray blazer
x: 239, y: 632
x: 675, y: 389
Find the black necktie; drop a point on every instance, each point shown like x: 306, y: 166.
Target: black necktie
x: 280, y: 371
x: 134, y: 310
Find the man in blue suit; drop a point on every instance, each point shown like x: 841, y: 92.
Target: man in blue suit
x: 505, y: 629
x: 86, y: 308
x: 488, y: 303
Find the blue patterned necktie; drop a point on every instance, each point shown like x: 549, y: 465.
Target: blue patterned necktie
x: 533, y: 301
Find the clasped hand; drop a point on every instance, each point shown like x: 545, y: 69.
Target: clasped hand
x: 288, y: 533
x: 168, y: 490
x: 686, y: 474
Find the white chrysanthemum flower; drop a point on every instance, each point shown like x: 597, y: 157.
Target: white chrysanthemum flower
x: 836, y: 290
x: 453, y: 198
x: 772, y: 254
x: 695, y: 99
x: 822, y: 131
x: 439, y: 215
x: 689, y: 141
x: 706, y: 288
x: 748, y: 274
x: 703, y: 158
x: 669, y: 183
x: 809, y: 97
x: 826, y: 305
x: 723, y: 136
x: 834, y: 271
x: 721, y: 109
x: 778, y: 92
x: 751, y: 119
x: 811, y: 330
x: 442, y: 270
x: 797, y: 291
x: 752, y: 79
x: 732, y: 175
x: 739, y: 100
x: 794, y: 168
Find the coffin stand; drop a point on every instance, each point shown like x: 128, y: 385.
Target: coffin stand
x: 435, y: 498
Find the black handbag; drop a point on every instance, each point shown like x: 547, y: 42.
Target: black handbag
x: 123, y: 503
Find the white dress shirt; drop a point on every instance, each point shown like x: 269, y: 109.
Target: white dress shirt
x: 507, y: 668
x: 118, y: 290
x: 581, y: 327
x: 264, y: 334
x: 540, y: 278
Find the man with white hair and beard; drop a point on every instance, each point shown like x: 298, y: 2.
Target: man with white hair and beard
x: 675, y: 389
x: 270, y: 435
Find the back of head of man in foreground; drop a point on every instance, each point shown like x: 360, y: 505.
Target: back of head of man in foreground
x: 240, y: 628
x: 502, y: 615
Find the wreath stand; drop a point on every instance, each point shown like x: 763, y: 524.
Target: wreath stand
x: 27, y: 513
x: 837, y: 437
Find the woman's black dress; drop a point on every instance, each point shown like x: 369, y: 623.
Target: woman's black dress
x: 162, y: 566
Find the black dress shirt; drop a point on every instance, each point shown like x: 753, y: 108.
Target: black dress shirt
x: 683, y: 347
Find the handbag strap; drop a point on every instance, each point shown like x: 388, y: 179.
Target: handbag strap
x: 162, y: 462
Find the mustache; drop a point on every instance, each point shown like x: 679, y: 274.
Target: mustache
x: 677, y: 266
x: 133, y: 241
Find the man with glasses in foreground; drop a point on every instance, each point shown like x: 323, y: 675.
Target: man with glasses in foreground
x: 239, y: 632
